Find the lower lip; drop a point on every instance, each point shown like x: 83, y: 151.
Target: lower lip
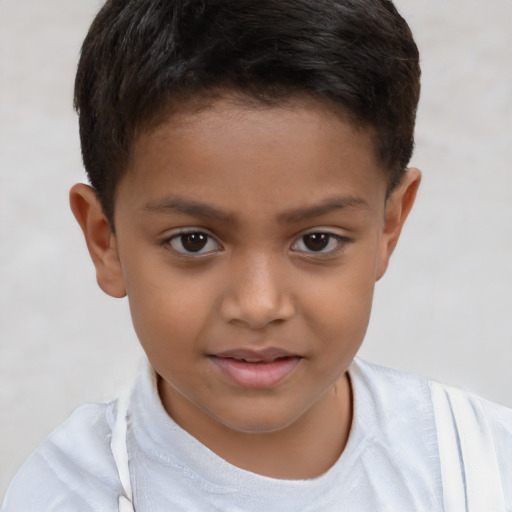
x: 256, y: 375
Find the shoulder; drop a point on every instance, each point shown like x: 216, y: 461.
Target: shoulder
x: 471, y: 434
x: 473, y: 415
x: 479, y: 433
x: 391, y: 389
x: 73, y: 469
x: 500, y: 421
x: 395, y: 385
x: 389, y: 386
x: 395, y: 409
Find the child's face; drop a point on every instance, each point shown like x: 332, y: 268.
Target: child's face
x: 249, y: 242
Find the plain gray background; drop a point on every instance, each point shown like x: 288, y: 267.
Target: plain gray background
x: 443, y: 310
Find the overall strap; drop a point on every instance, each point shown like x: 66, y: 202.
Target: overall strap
x: 119, y: 450
x: 469, y: 465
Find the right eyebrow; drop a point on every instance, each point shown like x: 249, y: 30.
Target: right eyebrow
x: 175, y: 204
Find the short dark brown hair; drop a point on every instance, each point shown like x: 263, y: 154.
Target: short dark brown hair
x: 141, y: 57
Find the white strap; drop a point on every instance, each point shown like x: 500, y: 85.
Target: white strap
x: 469, y: 466
x: 454, y: 492
x: 119, y: 450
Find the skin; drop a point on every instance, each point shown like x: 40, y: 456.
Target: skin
x: 256, y: 181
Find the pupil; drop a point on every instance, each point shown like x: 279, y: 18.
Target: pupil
x: 316, y: 241
x: 194, y: 242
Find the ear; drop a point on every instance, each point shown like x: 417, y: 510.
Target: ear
x: 398, y: 206
x: 100, y: 239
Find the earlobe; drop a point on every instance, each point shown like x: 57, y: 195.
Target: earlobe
x: 398, y: 207
x: 100, y: 239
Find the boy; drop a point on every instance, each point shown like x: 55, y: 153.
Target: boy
x: 249, y: 164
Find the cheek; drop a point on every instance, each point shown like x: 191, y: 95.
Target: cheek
x: 342, y: 305
x: 167, y: 309
x: 344, y: 296
x: 344, y: 321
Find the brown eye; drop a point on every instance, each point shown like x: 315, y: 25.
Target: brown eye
x: 320, y: 242
x: 193, y: 243
x: 316, y: 241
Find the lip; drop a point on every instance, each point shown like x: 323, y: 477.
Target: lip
x: 256, y: 369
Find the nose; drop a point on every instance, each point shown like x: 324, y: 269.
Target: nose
x: 257, y: 295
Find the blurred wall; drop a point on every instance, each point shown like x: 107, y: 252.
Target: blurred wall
x: 443, y: 310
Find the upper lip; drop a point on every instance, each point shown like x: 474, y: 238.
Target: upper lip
x: 256, y: 356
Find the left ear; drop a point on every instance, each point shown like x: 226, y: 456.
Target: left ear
x: 398, y: 206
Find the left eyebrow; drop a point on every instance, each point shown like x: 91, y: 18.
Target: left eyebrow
x: 330, y: 204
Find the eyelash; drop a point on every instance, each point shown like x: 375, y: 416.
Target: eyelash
x: 203, y: 236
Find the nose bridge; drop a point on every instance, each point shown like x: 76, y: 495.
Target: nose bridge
x: 258, y: 293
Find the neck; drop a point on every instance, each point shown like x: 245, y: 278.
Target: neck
x: 305, y: 449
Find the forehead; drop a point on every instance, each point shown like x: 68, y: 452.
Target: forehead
x: 202, y: 114
x: 227, y: 149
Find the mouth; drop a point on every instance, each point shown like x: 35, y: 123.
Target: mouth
x: 256, y: 369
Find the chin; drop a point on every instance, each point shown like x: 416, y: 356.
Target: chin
x: 256, y: 423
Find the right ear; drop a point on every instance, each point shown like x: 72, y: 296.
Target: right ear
x: 99, y: 237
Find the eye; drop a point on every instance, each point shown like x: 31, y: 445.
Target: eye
x: 320, y: 242
x: 193, y: 242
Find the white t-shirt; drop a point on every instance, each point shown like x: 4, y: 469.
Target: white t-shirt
x: 391, y: 461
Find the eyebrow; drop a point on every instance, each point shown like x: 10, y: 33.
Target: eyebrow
x: 176, y: 204
x: 188, y: 207
x: 343, y: 202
